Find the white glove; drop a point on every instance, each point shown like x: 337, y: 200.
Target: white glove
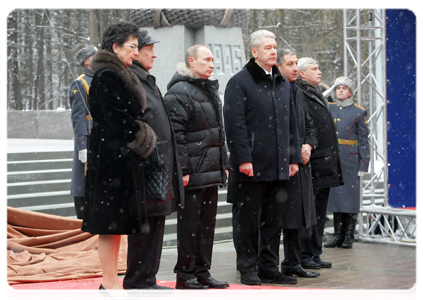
x: 82, y: 155
x: 361, y: 173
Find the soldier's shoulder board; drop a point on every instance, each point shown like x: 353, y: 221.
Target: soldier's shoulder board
x: 80, y: 77
x: 360, y: 107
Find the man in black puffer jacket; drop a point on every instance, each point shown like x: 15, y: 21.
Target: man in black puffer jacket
x: 195, y: 109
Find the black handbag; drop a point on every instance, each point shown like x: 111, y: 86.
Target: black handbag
x: 158, y: 180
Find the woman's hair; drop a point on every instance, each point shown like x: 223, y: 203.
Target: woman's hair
x: 119, y: 33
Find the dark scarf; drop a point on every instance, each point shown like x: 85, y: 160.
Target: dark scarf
x: 142, y: 73
x: 139, y: 69
x: 106, y: 60
x: 315, y: 90
x: 293, y: 87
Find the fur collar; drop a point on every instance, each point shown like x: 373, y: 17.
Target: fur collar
x: 182, y: 70
x: 106, y: 60
x: 185, y: 74
x: 258, y: 73
x: 345, y: 103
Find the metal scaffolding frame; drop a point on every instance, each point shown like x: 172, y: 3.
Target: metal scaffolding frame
x: 365, y: 60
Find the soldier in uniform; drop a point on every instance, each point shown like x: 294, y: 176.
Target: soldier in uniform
x: 81, y: 123
x: 352, y: 131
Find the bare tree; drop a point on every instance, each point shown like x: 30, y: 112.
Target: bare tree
x: 42, y: 46
x: 13, y: 93
x: 94, y: 28
x: 310, y: 32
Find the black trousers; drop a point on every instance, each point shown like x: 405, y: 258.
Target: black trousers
x: 311, y: 238
x: 259, y: 202
x: 79, y: 206
x: 143, y: 258
x: 235, y: 217
x: 195, y: 230
x: 291, y: 247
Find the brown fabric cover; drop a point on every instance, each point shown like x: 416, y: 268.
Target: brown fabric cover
x: 43, y: 247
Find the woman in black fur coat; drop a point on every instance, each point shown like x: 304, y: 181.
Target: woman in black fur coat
x: 119, y: 140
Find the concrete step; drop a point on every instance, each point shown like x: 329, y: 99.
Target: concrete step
x: 46, y: 164
x: 63, y: 209
x: 28, y: 156
x: 222, y: 208
x: 40, y: 181
x: 31, y: 201
x: 31, y: 187
x: 39, y: 175
x: 220, y: 234
x: 222, y: 220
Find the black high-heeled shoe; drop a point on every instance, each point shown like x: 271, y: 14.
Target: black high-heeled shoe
x: 105, y: 294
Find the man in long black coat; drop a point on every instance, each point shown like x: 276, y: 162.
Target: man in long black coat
x: 81, y: 123
x: 325, y: 161
x: 298, y: 211
x: 265, y: 151
x: 144, y: 250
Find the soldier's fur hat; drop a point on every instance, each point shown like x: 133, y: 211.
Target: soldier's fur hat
x: 85, y: 53
x: 345, y: 81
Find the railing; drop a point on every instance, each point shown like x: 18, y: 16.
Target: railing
x: 389, y: 225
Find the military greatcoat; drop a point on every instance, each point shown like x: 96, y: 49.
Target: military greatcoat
x: 352, y: 131
x: 78, y: 97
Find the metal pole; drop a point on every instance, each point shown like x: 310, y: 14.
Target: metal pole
x: 385, y: 111
x: 372, y: 109
x: 345, y: 43
x: 358, y: 32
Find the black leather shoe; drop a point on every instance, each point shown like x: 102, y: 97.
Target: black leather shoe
x: 324, y: 264
x: 250, y: 278
x: 213, y: 283
x: 348, y: 242
x: 160, y: 287
x: 299, y: 271
x: 336, y: 241
x: 146, y: 292
x: 276, y: 277
x: 311, y: 265
x: 190, y: 284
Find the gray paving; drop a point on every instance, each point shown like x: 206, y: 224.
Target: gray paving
x: 365, y: 266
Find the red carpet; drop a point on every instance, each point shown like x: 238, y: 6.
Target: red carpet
x: 87, y: 289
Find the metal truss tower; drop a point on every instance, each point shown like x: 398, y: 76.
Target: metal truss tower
x: 365, y: 60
